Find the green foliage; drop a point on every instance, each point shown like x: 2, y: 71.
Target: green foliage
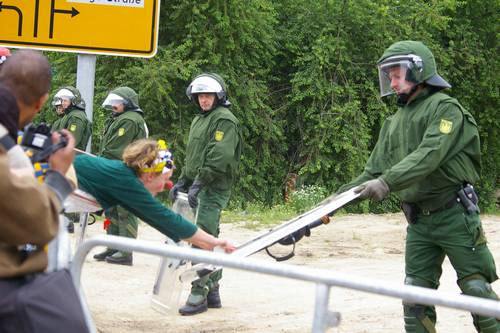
x: 306, y: 197
x: 302, y: 80
x: 256, y: 215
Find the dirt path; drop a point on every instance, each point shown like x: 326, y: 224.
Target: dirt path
x: 369, y: 246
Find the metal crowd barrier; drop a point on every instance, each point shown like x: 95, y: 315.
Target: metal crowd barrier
x: 324, y: 279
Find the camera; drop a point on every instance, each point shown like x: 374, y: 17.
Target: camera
x: 37, y: 137
x: 37, y: 142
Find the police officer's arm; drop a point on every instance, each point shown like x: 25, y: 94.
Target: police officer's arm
x: 127, y: 133
x: 221, y: 148
x: 443, y: 134
x: 29, y: 210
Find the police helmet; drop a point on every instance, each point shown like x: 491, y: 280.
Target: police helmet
x: 70, y: 93
x: 207, y: 83
x: 415, y: 60
x: 122, y: 95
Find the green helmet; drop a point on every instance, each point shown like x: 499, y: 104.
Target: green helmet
x: 416, y: 59
x: 208, y: 83
x: 70, y: 93
x: 124, y: 95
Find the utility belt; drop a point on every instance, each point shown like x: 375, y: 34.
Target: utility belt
x: 466, y: 196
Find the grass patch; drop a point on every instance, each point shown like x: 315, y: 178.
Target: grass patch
x: 258, y: 216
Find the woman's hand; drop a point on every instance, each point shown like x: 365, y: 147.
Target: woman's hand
x: 225, y: 245
x: 208, y: 242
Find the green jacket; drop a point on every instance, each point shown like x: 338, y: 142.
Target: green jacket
x: 75, y: 121
x: 120, y: 131
x: 112, y: 183
x: 214, y: 149
x: 426, y: 151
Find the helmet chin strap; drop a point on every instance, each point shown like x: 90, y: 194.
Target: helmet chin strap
x: 402, y: 99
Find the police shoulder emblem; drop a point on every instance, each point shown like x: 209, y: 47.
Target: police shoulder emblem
x: 121, y: 131
x: 445, y: 126
x: 219, y: 135
x: 72, y: 127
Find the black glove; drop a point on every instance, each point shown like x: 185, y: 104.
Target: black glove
x: 193, y: 193
x: 375, y: 189
x: 179, y: 186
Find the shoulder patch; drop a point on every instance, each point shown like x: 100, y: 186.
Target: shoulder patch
x: 219, y: 135
x: 121, y: 131
x: 445, y: 126
x: 72, y: 127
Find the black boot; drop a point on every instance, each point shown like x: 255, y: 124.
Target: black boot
x: 71, y: 227
x: 213, y: 298
x: 101, y: 256
x: 120, y: 258
x: 191, y: 309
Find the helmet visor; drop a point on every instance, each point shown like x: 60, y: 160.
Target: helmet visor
x: 61, y: 95
x: 205, y: 84
x: 112, y: 100
x: 399, y: 73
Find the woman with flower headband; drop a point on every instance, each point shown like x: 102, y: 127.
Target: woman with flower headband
x: 133, y: 183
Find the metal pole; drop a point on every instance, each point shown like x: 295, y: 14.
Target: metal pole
x: 85, y: 78
x: 320, y: 308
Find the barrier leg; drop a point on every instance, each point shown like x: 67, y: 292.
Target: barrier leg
x: 323, y: 318
x: 84, y: 217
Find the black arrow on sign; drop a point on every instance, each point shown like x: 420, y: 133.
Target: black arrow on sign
x: 35, y: 23
x: 19, y: 12
x: 53, y: 11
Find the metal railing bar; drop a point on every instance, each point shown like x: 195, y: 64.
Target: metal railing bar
x: 407, y: 293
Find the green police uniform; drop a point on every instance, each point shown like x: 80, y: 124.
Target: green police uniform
x: 425, y: 153
x: 75, y: 121
x: 74, y: 118
x: 120, y: 130
x: 212, y: 157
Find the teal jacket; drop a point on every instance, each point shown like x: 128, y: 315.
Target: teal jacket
x: 214, y: 149
x: 75, y: 121
x: 112, y: 183
x: 426, y: 151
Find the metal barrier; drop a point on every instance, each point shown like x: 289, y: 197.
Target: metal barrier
x: 324, y: 279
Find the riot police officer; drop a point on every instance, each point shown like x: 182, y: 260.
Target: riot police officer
x: 428, y: 154
x: 70, y: 108
x: 212, y: 160
x: 125, y: 126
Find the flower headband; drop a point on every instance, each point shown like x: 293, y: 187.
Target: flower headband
x: 163, y: 163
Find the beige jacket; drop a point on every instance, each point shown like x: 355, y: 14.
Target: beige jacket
x: 28, y: 214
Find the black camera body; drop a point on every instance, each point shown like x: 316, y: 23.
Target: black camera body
x: 37, y: 137
x: 37, y: 142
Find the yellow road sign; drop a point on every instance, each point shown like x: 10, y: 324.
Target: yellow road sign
x: 115, y: 27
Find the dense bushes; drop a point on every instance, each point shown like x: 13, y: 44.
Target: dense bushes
x: 302, y: 80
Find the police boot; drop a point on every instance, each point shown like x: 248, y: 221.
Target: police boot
x: 120, y: 258
x: 194, y: 305
x: 71, y: 227
x: 213, y: 298
x: 101, y: 256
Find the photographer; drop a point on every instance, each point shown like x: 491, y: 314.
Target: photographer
x: 30, y: 300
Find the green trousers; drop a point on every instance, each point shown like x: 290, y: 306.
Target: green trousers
x: 452, y: 233
x: 210, y: 204
x: 123, y: 223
